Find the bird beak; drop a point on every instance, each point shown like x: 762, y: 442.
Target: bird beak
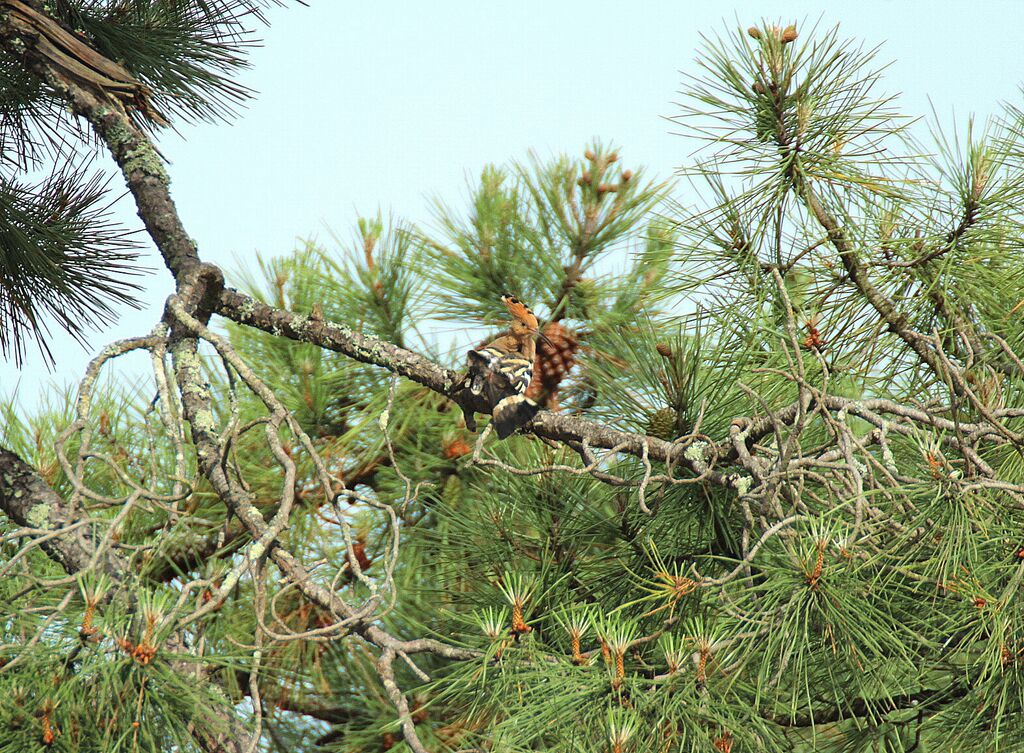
x: 544, y: 337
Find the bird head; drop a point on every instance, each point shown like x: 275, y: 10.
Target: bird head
x: 523, y: 320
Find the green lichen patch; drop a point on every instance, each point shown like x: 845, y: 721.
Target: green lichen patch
x: 143, y: 158
x: 39, y: 516
x: 742, y: 484
x: 135, y: 152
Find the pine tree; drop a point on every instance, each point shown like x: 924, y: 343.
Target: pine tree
x: 774, y: 502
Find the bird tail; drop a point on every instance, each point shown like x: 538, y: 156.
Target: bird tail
x: 512, y: 412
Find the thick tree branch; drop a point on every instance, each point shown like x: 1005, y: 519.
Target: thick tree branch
x: 27, y: 500
x: 247, y: 310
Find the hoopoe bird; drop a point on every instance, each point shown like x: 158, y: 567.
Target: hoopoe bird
x: 498, y: 374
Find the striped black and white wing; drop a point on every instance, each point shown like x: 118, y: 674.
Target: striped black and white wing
x: 514, y: 409
x: 482, y: 363
x: 500, y: 379
x: 517, y: 371
x: 494, y: 370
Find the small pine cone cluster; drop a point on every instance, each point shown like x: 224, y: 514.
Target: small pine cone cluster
x: 556, y: 355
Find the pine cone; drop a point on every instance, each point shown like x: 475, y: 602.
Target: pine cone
x: 662, y: 424
x: 556, y: 355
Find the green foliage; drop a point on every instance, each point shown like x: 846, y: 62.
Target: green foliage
x: 535, y: 230
x: 844, y: 576
x: 825, y: 636
x: 27, y: 125
x: 61, y: 258
x: 100, y: 691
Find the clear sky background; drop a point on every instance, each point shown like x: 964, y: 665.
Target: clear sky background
x: 386, y: 104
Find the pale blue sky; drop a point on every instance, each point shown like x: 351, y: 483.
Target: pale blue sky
x: 367, y: 105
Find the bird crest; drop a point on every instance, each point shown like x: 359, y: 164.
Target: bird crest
x: 519, y: 311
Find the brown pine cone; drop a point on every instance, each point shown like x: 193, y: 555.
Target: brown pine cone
x: 556, y: 355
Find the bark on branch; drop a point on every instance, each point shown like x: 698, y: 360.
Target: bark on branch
x: 29, y: 501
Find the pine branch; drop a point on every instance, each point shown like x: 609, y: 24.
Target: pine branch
x: 896, y: 321
x: 101, y: 104
x: 61, y: 257
x: 922, y: 700
x: 555, y: 426
x: 197, y: 294
x: 573, y: 430
x: 202, y: 285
